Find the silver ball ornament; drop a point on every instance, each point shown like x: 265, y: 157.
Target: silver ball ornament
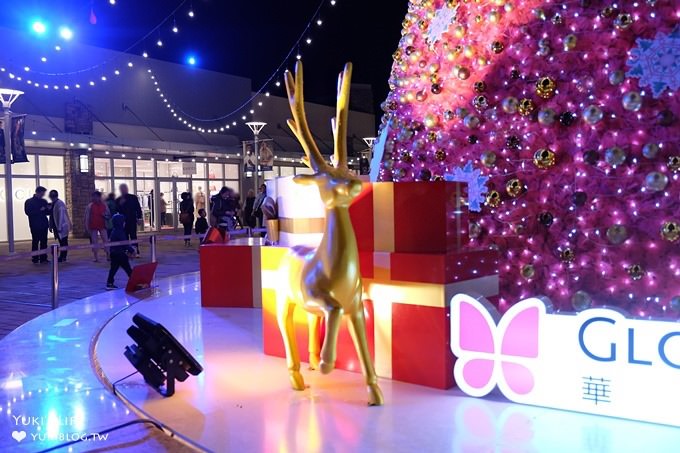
x: 471, y: 121
x: 615, y: 156
x: 547, y: 116
x: 592, y: 114
x: 617, y: 77
x: 581, y: 300
x: 674, y: 303
x: 617, y: 234
x: 656, y: 181
x: 650, y: 150
x: 510, y: 104
x: 632, y: 101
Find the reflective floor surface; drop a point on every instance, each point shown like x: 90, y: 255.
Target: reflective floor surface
x: 49, y: 391
x: 242, y: 402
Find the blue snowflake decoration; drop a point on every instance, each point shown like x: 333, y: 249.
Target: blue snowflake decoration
x: 440, y: 24
x: 476, y: 184
x: 656, y: 62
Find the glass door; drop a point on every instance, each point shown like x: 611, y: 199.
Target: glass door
x: 170, y: 197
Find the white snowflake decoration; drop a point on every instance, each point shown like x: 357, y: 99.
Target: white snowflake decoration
x: 656, y: 62
x: 440, y: 24
x: 476, y: 184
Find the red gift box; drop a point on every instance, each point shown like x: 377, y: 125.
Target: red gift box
x: 230, y: 275
x: 411, y: 217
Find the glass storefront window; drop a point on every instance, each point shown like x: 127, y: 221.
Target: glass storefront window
x: 169, y: 169
x: 103, y: 185
x: 22, y: 189
x: 144, y: 168
x: 287, y: 171
x: 200, y: 171
x: 303, y: 171
x: 51, y: 165
x: 215, y: 171
x: 54, y: 184
x: 122, y: 168
x: 231, y: 171
x: 25, y: 168
x: 102, y: 168
x: 118, y: 182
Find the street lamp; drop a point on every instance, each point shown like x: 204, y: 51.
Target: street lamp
x: 7, y: 98
x: 256, y: 127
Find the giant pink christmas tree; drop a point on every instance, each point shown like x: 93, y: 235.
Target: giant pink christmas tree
x: 570, y: 109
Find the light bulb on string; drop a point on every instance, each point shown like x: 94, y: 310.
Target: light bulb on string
x: 319, y: 22
x: 145, y: 55
x: 333, y: 2
x: 308, y: 40
x: 159, y: 43
x: 174, y: 26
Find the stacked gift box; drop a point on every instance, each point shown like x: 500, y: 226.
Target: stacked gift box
x: 414, y: 252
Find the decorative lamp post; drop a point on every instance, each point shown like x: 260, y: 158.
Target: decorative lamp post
x: 256, y: 127
x: 7, y: 98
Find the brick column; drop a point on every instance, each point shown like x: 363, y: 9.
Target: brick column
x: 79, y: 188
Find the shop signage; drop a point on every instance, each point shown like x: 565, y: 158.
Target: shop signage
x: 598, y: 361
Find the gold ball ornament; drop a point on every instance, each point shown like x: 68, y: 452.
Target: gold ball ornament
x: 480, y: 87
x: 510, y: 104
x: 581, y: 300
x: 463, y: 73
x: 497, y: 47
x: 493, y: 198
x: 528, y: 271
x: 617, y: 234
x: 632, y: 101
x: 673, y: 164
x: 430, y: 120
x: 569, y: 42
x: 514, y: 187
x: 636, y: 271
x: 544, y: 158
x: 623, y: 21
x: 545, y: 87
x: 440, y: 155
x: 488, y: 158
x: 406, y: 157
x: 526, y: 107
x: 670, y: 231
x: 567, y: 255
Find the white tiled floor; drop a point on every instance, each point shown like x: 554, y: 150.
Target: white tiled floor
x: 242, y: 401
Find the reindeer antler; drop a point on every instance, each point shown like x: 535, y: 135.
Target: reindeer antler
x: 299, y: 126
x: 339, y: 123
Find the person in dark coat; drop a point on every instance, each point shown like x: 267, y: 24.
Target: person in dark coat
x: 201, y: 222
x: 119, y: 253
x: 248, y: 214
x: 37, y: 209
x: 128, y: 206
x: 186, y: 215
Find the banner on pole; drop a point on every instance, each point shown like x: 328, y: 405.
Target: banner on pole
x: 18, y: 146
x: 2, y: 144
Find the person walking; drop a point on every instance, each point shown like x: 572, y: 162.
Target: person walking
x: 96, y: 214
x: 60, y: 223
x: 186, y: 215
x: 128, y: 206
x: 111, y: 205
x: 248, y: 212
x: 259, y: 201
x: 164, y: 210
x: 37, y: 209
x: 120, y: 254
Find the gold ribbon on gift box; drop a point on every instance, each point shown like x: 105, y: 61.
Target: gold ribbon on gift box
x: 308, y: 225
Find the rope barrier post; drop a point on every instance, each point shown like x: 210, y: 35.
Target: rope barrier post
x: 153, y: 248
x: 55, y: 276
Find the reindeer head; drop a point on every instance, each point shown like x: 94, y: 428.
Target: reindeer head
x: 337, y: 186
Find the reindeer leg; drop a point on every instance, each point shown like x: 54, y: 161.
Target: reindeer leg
x: 357, y: 328
x: 285, y: 310
x: 330, y: 342
x: 314, y: 323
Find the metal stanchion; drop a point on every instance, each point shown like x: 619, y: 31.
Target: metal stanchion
x: 153, y: 248
x: 55, y: 276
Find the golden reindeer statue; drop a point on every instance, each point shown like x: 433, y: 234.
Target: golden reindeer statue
x: 326, y: 281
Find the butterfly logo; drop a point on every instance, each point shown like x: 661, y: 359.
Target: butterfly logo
x: 493, y: 350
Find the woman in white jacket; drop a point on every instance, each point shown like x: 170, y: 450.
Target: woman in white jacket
x: 60, y: 223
